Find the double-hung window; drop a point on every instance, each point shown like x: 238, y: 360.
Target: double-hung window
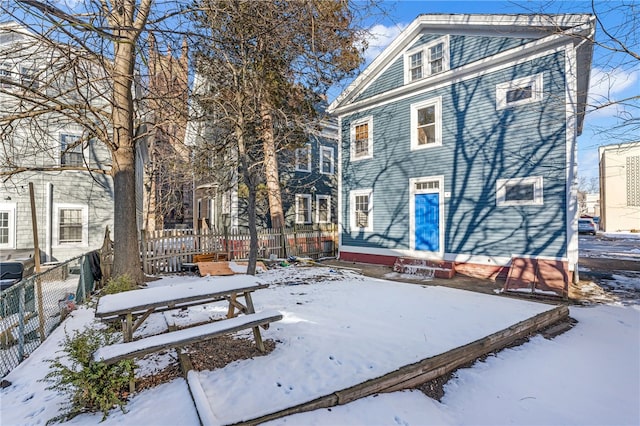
x: 361, y: 206
x: 7, y: 225
x: 326, y: 160
x: 323, y: 208
x: 415, y: 66
x: 303, y: 208
x: 70, y: 150
x: 426, y: 124
x: 526, y: 191
x: 362, y: 139
x: 426, y: 60
x: 72, y: 225
x: 520, y: 91
x: 303, y: 159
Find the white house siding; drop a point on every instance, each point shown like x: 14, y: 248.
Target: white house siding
x: 620, y: 187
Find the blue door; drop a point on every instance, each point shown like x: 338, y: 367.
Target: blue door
x: 427, y: 221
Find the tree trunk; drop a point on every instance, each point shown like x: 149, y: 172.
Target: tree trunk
x: 253, y: 232
x: 125, y: 236
x: 271, y: 169
x: 245, y: 170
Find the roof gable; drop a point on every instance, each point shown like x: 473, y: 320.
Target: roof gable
x: 509, y: 30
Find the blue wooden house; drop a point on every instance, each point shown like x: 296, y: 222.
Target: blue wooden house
x: 458, y: 147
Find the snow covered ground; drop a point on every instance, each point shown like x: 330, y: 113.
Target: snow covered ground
x: 340, y: 328
x: 611, y: 245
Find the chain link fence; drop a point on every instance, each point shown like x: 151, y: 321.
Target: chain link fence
x: 31, y: 309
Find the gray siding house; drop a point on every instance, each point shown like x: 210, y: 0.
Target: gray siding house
x: 458, y: 144
x: 53, y: 152
x: 307, y: 174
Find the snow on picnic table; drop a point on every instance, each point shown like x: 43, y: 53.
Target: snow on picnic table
x: 160, y: 294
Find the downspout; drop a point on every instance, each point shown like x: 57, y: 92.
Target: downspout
x: 49, y: 221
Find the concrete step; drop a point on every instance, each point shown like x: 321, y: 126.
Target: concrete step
x: 424, y: 267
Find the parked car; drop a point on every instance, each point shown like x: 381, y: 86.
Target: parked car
x: 587, y: 226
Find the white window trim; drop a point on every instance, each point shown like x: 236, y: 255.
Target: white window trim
x: 537, y: 88
x: 300, y: 152
x: 352, y: 210
x: 11, y: 208
x: 56, y: 223
x: 426, y: 70
x: 437, y: 102
x: 323, y: 197
x: 308, y: 218
x: 501, y: 191
x: 332, y: 161
x: 412, y: 209
x: 352, y: 132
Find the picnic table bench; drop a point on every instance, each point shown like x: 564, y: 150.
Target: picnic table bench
x: 131, y: 308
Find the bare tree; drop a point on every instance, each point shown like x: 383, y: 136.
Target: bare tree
x: 103, y: 37
x: 268, y: 65
x: 616, y: 62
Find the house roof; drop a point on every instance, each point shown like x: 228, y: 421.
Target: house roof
x: 542, y: 29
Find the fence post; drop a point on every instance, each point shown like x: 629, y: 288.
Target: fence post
x: 143, y: 250
x: 21, y: 313
x: 80, y: 297
x: 225, y: 230
x: 283, y: 239
x: 295, y: 242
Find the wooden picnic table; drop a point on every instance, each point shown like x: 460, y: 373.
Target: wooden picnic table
x: 132, y: 308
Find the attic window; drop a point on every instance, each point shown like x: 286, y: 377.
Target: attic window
x: 427, y: 60
x: 517, y: 92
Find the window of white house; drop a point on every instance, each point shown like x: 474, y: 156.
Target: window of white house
x: 303, y: 159
x: 361, y: 207
x: 426, y: 124
x: 28, y: 77
x: 519, y: 191
x: 7, y: 225
x: 520, y: 91
x: 326, y: 160
x: 323, y: 208
x: 70, y: 150
x: 5, y: 75
x: 362, y: 139
x: 72, y: 222
x: 303, y: 208
x: 427, y: 60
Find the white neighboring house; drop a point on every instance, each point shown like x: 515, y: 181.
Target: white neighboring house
x: 57, y: 153
x: 620, y: 187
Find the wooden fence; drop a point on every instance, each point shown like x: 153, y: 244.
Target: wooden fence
x: 166, y: 251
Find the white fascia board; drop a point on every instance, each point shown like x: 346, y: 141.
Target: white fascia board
x: 527, y: 26
x: 506, y: 59
x: 516, y: 21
